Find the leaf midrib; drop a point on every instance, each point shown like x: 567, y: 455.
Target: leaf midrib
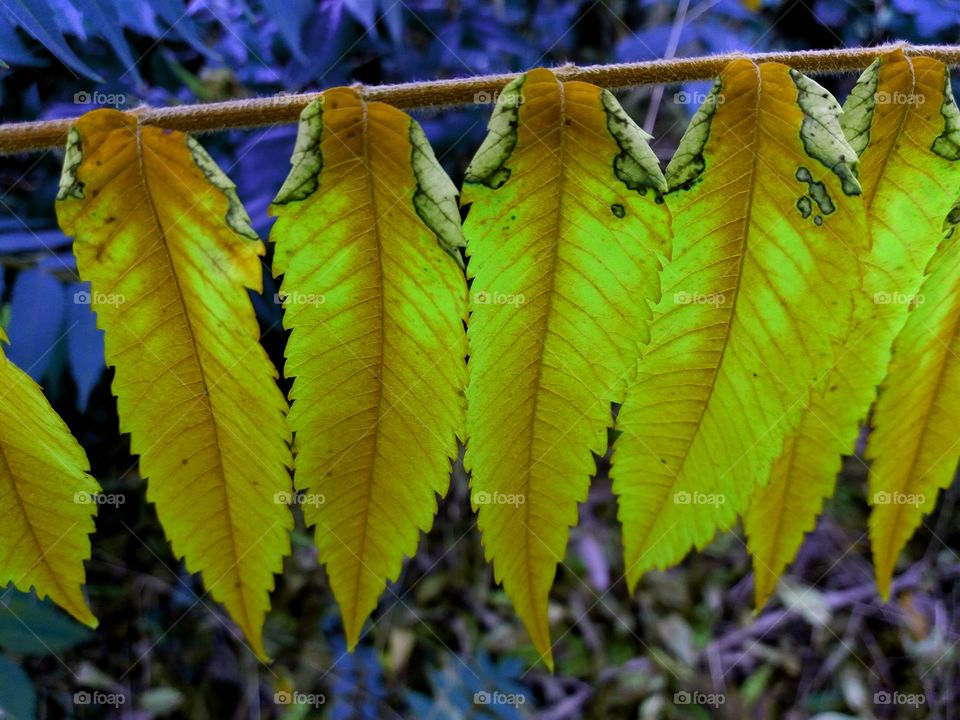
x: 531, y: 535
x: 909, y: 481
x: 43, y: 550
x: 745, y: 249
x: 894, y: 148
x: 361, y: 553
x: 643, y: 540
x: 208, y: 405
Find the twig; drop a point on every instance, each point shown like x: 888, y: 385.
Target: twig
x: 835, y: 600
x: 256, y: 112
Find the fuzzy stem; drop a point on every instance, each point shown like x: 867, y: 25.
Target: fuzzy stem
x: 256, y: 112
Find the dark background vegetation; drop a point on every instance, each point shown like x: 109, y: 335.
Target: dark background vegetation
x: 823, y: 647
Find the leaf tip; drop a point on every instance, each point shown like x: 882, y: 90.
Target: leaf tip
x: 763, y: 585
x: 883, y: 567
x: 547, y: 658
x: 539, y: 630
x: 351, y: 630
x: 256, y: 646
x: 82, y: 613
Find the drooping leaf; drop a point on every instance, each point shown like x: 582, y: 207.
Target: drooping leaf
x: 914, y: 449
x: 178, y: 15
x: 563, y: 233
x: 290, y: 16
x: 393, y: 17
x: 36, y: 320
x: 366, y: 225
x: 46, y: 497
x: 768, y: 227
x: 14, y: 50
x: 84, y: 343
x: 892, y: 118
x: 29, y: 626
x: 104, y: 17
x: 364, y: 12
x: 18, y: 700
x: 161, y: 236
x: 68, y: 17
x: 17, y: 236
x: 39, y: 20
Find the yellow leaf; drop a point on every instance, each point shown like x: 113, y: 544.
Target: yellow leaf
x: 892, y: 117
x: 914, y: 448
x: 367, y: 223
x: 563, y: 233
x: 47, y: 499
x: 161, y: 235
x: 768, y: 229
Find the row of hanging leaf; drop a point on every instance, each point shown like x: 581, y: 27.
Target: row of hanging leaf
x: 743, y: 310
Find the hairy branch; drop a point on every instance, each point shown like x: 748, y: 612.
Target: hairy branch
x: 258, y: 112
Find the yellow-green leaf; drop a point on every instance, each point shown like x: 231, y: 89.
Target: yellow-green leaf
x: 914, y: 449
x: 161, y: 235
x: 367, y: 239
x: 892, y: 117
x: 563, y: 234
x: 47, y: 498
x: 768, y: 226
